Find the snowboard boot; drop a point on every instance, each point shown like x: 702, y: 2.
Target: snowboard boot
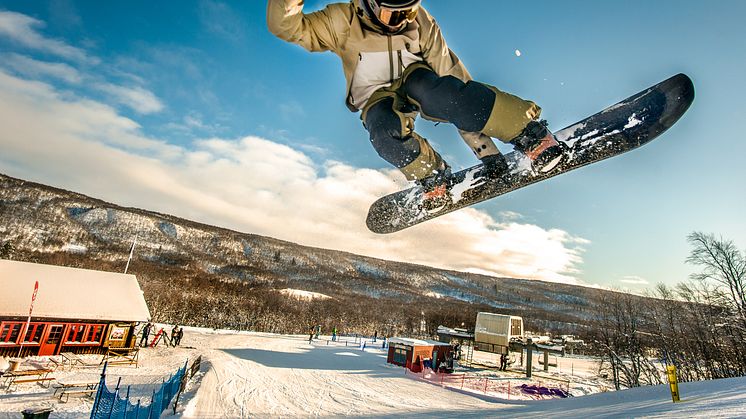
x: 494, y: 166
x: 436, y: 188
x: 539, y: 145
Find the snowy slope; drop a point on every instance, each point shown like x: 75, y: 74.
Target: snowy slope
x: 265, y: 375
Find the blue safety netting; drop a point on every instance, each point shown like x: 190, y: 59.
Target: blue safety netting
x: 118, y: 404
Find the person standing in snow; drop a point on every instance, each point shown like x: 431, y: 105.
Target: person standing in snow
x: 397, y: 65
x: 174, y: 333
x: 145, y: 334
x: 334, y: 334
x: 310, y: 335
x: 503, y: 362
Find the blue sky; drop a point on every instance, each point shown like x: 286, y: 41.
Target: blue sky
x: 193, y: 108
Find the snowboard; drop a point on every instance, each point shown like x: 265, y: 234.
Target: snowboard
x: 619, y: 128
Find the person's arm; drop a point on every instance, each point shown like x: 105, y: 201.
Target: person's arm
x: 313, y: 31
x: 435, y: 51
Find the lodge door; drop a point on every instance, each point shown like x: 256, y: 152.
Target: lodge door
x: 51, y: 339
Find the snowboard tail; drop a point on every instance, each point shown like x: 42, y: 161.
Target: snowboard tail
x: 617, y: 129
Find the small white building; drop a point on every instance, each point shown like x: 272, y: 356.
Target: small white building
x: 74, y: 310
x: 493, y: 332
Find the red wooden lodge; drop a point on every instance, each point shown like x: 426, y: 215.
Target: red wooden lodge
x: 75, y: 310
x: 413, y: 353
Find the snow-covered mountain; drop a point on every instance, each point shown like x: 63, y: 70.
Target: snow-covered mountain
x: 56, y: 226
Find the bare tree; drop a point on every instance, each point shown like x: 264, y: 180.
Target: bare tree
x: 622, y: 336
x: 700, y: 325
x: 723, y: 264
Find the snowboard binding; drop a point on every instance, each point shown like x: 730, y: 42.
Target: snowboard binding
x: 436, y: 188
x: 539, y: 145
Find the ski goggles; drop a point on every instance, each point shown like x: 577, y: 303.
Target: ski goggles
x: 395, y: 16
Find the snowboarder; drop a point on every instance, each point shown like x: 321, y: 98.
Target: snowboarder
x: 397, y: 65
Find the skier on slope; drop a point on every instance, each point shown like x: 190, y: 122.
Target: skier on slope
x: 397, y: 65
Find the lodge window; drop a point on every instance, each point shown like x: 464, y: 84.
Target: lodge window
x: 94, y: 333
x: 55, y: 334
x: 400, y: 356
x: 34, y: 332
x: 515, y: 327
x: 75, y: 335
x: 9, y: 332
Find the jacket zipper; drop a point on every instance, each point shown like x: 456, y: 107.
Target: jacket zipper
x: 401, y: 63
x: 391, y: 59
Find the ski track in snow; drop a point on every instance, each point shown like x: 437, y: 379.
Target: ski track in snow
x: 267, y: 378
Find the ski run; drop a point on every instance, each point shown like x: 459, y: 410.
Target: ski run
x: 246, y: 374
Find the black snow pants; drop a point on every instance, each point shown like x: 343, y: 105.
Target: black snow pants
x: 390, y: 120
x: 471, y: 106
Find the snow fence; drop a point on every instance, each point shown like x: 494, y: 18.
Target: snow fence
x: 499, y: 387
x: 110, y: 404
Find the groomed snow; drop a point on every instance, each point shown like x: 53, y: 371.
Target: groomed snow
x: 266, y: 375
x: 303, y: 295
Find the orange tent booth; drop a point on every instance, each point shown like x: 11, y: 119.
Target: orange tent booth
x: 416, y: 354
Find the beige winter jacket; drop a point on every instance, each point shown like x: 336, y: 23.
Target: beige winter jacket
x: 340, y: 29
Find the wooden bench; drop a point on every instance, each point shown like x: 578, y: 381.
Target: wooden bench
x: 40, y: 376
x: 88, y: 391
x: 74, y: 359
x: 121, y: 356
x: 70, y: 388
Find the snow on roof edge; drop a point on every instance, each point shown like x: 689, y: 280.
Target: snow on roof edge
x: 70, y: 293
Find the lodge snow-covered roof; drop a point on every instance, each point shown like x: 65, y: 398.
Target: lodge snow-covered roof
x: 69, y: 293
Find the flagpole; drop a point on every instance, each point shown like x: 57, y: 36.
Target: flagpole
x: 28, y: 321
x: 132, y: 251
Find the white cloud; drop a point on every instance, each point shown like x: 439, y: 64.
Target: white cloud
x: 634, y: 280
x: 219, y: 19
x: 192, y: 126
x: 38, y: 113
x: 194, y: 121
x: 39, y: 69
x: 291, y: 111
x: 22, y: 29
x: 255, y: 185
x: 510, y: 215
x: 138, y: 99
